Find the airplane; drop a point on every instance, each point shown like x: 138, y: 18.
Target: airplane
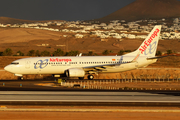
x: 79, y: 66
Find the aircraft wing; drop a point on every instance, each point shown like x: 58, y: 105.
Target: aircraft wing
x: 99, y: 68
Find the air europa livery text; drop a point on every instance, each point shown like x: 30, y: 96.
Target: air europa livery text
x: 59, y: 60
x: 148, y: 42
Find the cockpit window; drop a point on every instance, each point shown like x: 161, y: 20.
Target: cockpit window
x: 15, y: 63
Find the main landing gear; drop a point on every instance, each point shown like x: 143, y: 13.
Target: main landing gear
x: 90, y: 77
x: 81, y: 78
x: 20, y: 78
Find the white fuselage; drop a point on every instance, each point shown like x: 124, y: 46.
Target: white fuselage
x: 58, y: 65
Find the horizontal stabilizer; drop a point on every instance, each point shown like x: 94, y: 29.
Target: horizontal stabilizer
x: 157, y: 57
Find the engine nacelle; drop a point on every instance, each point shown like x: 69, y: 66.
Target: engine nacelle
x: 75, y: 72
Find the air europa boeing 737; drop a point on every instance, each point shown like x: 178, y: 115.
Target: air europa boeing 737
x: 80, y: 66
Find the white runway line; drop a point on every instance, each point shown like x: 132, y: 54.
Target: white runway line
x: 101, y: 101
x: 86, y: 110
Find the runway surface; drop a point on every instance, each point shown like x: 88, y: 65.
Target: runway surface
x: 49, y: 97
x: 86, y: 96
x: 29, y: 93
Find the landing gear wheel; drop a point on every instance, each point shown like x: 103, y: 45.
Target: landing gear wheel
x: 20, y: 78
x: 81, y: 78
x: 90, y: 77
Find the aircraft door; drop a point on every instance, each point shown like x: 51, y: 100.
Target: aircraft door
x: 27, y: 64
x: 136, y: 64
x: 77, y: 63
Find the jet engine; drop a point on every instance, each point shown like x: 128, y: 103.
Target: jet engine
x: 75, y: 72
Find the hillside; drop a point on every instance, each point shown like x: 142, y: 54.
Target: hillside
x: 7, y: 20
x: 24, y: 39
x: 146, y: 9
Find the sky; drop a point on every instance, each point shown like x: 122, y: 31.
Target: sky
x: 69, y: 10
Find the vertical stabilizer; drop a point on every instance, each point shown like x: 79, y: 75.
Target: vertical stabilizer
x: 149, y: 45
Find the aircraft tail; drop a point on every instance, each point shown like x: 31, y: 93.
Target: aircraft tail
x: 149, y: 45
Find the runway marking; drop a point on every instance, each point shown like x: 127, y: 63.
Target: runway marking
x: 77, y: 93
x: 86, y: 110
x: 123, y: 101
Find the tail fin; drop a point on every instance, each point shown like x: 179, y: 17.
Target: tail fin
x: 149, y: 45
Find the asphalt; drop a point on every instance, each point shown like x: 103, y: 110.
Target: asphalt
x: 13, y: 92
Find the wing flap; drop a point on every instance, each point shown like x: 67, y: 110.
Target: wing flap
x: 99, y: 68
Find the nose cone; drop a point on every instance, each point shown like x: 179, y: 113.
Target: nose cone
x: 8, y: 68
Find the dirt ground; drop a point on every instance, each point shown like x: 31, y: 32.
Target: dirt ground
x: 146, y: 115
x: 25, y: 39
x: 88, y: 116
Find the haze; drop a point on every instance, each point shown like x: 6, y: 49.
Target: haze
x: 60, y: 9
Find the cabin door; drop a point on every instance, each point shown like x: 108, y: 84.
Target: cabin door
x: 136, y: 64
x: 27, y: 64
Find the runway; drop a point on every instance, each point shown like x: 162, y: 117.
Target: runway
x: 30, y: 93
x: 87, y: 98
